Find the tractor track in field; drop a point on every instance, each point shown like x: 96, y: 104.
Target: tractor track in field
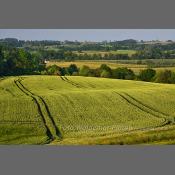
x: 146, y: 105
x: 51, y: 129
x: 145, y: 108
x: 138, y: 105
x: 64, y: 78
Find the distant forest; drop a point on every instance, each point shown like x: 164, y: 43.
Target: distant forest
x: 27, y: 57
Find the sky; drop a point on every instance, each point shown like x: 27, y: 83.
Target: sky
x: 88, y: 34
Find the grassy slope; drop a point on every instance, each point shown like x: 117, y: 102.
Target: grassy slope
x: 85, y: 107
x: 19, y: 120
x: 87, y: 110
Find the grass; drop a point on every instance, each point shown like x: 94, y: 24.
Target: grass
x: 85, y: 110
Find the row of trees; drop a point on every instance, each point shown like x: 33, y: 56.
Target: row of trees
x: 72, y: 45
x: 70, y: 56
x: 146, y: 53
x: 129, y: 44
x: 105, y: 71
x: 15, y: 61
x: 102, y: 71
x: 64, y: 50
x: 150, y: 52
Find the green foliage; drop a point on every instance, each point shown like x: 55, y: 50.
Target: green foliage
x: 15, y: 61
x: 123, y: 73
x: 54, y: 70
x: 105, y: 71
x: 72, y: 69
x: 105, y: 74
x: 147, y: 74
x: 172, y: 79
x: 164, y: 76
x: 105, y: 67
x: 85, y: 71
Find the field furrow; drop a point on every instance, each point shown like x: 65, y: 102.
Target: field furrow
x: 150, y: 109
x: 64, y: 78
x: 74, y: 109
x: 51, y: 129
x: 146, y: 109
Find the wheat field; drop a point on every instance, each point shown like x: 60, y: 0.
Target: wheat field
x: 84, y: 110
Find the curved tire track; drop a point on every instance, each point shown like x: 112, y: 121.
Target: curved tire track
x: 140, y: 106
x: 64, y: 78
x: 166, y: 115
x: 51, y: 130
x: 145, y: 108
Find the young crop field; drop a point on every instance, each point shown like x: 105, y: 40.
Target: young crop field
x: 84, y: 110
x: 19, y: 121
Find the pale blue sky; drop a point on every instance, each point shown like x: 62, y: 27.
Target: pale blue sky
x: 88, y: 34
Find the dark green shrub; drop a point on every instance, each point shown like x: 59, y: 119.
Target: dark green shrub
x: 123, y: 73
x: 164, y: 77
x: 147, y: 74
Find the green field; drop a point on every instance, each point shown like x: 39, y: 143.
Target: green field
x: 85, y: 110
x: 128, y: 52
x: 91, y: 52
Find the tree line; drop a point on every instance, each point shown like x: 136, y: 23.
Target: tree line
x: 65, y: 50
x: 15, y: 61
x: 71, y: 56
x: 149, y: 75
x: 129, y: 44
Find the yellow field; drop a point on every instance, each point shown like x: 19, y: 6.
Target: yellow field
x: 96, y: 64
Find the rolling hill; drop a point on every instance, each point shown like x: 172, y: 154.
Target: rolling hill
x: 84, y: 110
